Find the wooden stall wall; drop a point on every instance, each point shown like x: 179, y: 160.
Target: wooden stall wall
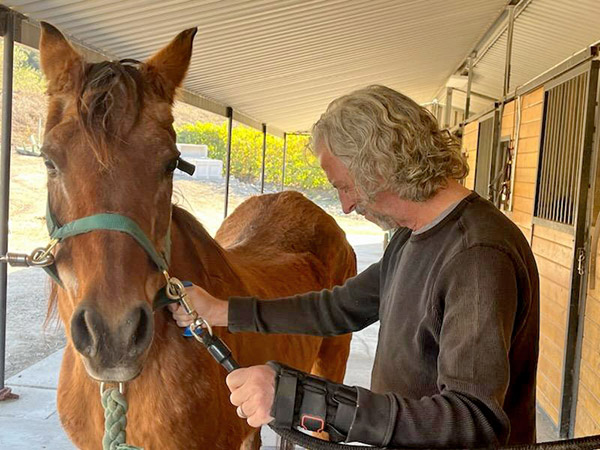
x: 587, y: 419
x: 508, y: 121
x: 527, y: 160
x: 553, y: 252
x: 469, y: 148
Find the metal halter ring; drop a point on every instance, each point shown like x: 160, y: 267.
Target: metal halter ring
x: 175, y: 289
x: 199, y: 322
x: 42, y: 257
x: 103, y: 384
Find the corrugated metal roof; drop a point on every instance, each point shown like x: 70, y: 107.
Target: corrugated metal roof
x: 282, y: 61
x: 545, y: 33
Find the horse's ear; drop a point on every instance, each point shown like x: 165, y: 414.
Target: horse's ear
x: 171, y: 63
x: 61, y: 64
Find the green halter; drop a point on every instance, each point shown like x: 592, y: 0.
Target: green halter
x: 107, y: 222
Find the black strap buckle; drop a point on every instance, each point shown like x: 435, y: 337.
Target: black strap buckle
x: 312, y: 423
x: 313, y: 410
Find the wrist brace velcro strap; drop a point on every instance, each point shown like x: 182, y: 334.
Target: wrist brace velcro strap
x: 316, y: 404
x: 313, y: 409
x: 346, y: 399
x: 285, y: 398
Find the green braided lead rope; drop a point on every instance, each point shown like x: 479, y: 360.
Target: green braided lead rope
x: 115, y: 421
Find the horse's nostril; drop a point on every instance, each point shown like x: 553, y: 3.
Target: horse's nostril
x: 114, y: 344
x: 141, y: 328
x: 84, y: 331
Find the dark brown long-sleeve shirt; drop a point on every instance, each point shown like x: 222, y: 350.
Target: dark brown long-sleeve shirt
x: 458, y: 344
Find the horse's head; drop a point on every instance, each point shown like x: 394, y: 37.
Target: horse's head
x: 110, y: 147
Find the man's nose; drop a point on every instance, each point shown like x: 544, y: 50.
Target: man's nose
x: 348, y: 204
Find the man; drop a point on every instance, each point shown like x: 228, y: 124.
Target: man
x: 456, y: 293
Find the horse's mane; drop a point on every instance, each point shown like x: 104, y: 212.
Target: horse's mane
x: 109, y: 104
x: 216, y: 266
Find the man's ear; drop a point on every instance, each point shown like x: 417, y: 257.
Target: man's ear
x: 168, y: 67
x: 61, y: 64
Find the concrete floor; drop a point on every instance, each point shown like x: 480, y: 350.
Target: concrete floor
x: 31, y: 422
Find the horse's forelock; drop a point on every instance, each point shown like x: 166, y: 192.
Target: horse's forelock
x: 109, y: 104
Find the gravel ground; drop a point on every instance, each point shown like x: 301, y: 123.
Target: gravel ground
x: 27, y: 340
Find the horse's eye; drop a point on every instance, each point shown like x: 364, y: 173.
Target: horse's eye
x: 50, y: 167
x: 172, y: 166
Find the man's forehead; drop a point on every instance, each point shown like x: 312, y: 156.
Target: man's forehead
x: 329, y: 162
x: 336, y: 171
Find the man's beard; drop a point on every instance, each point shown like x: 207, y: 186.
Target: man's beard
x: 386, y: 223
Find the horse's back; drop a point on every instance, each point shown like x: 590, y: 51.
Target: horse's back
x: 284, y: 224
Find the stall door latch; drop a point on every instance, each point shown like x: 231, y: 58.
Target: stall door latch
x: 581, y: 261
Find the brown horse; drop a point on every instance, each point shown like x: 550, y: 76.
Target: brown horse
x: 110, y: 147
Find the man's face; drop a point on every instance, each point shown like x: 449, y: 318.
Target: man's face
x: 350, y: 198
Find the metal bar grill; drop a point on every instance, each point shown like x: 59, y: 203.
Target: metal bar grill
x: 561, y: 150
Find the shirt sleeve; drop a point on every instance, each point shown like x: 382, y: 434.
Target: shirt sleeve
x: 477, y: 298
x: 330, y: 312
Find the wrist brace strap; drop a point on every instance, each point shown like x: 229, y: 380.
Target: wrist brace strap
x: 313, y: 403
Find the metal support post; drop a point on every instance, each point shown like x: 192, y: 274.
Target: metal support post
x: 448, y: 110
x: 5, y: 140
x: 283, y: 164
x: 509, y: 41
x: 228, y: 168
x: 469, y: 81
x: 264, y: 154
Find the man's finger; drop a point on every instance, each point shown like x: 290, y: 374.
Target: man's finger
x: 236, y: 379
x: 239, y: 396
x: 180, y: 316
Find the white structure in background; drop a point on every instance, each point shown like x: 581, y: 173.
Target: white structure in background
x: 206, y: 168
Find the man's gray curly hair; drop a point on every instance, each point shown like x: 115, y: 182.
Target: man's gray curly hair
x: 389, y: 142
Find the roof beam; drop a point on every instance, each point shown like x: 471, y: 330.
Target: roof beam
x: 489, y: 38
x: 29, y: 34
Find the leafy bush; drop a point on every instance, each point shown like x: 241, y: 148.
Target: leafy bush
x: 302, y: 170
x: 27, y: 76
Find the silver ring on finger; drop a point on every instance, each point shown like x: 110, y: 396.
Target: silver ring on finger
x: 240, y: 412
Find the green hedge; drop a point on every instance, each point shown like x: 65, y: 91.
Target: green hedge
x: 27, y: 76
x: 302, y: 169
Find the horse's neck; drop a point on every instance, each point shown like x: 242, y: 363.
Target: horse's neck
x: 197, y: 257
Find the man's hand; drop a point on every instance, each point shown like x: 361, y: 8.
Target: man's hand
x: 210, y: 308
x: 253, y: 392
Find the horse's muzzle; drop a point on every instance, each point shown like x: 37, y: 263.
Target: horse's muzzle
x: 112, y: 348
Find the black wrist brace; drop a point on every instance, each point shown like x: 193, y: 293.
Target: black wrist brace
x: 312, y: 403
